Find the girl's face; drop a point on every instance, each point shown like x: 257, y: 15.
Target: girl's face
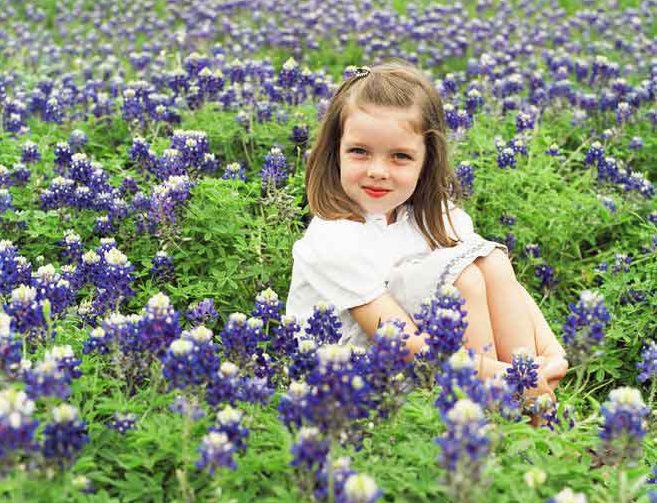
x: 380, y: 150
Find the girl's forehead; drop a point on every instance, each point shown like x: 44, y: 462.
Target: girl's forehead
x: 373, y: 116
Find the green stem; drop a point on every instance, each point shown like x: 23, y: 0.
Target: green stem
x: 653, y: 390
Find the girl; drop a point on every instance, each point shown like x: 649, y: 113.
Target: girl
x: 386, y: 229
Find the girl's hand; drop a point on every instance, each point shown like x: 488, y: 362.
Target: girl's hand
x: 543, y: 388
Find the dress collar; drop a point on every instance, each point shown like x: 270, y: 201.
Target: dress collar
x: 380, y: 220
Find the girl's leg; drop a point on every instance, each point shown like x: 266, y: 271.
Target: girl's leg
x: 479, y: 332
x: 511, y: 319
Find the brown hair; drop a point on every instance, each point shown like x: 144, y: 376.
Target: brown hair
x: 395, y: 84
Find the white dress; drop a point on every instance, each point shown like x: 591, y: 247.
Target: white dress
x: 348, y: 264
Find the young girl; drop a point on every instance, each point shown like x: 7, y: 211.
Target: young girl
x: 386, y: 229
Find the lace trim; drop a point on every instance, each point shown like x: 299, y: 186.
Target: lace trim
x: 457, y: 264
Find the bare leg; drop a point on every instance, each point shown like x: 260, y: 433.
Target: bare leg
x: 510, y: 316
x: 479, y: 332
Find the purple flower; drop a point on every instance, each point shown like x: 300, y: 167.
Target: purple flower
x: 464, y: 446
x: 65, y: 436
x: 187, y: 407
x: 267, y: 306
x: 229, y: 421
x: 5, y: 201
x: 26, y: 311
x: 78, y: 139
x: 323, y: 325
x: 274, y: 169
x: 359, y: 488
x: 442, y: 319
x: 159, y: 325
x: 458, y: 377
x: 30, y: 153
x: 227, y: 385
x: 595, y: 153
x: 122, y: 422
x: 311, y: 449
x: 240, y: 337
x: 648, y: 363
x: 636, y: 143
x: 553, y: 150
x: 11, y: 348
x: 546, y: 274
x: 17, y: 426
x: 292, y: 404
x: 283, y: 340
x: 584, y: 327
x: 202, y: 312
x: 215, y: 451
x: 162, y: 267
x: 465, y: 175
x: 304, y: 359
x: 624, y: 424
x: 73, y: 247
x: 506, y: 158
x: 522, y: 375
x: 234, y: 171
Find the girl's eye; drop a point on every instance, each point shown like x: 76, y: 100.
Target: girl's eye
x: 403, y: 156
x: 358, y: 151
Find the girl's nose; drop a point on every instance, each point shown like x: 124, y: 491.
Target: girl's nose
x: 377, y: 170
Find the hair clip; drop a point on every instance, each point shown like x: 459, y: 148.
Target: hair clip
x: 362, y: 71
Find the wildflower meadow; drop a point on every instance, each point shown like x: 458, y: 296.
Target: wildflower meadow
x: 152, y: 163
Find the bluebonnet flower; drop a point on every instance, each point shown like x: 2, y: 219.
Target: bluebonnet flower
x: 508, y: 220
x: 474, y: 101
x: 359, y: 488
x: 30, y: 153
x: 341, y: 471
x: 210, y: 83
x: 256, y: 390
x: 292, y: 404
x: 299, y: 134
x: 66, y: 362
x: 227, y: 386
x: 624, y: 424
x: 20, y: 175
x: 122, y: 422
x: 608, y: 202
x: 274, y: 170
x: 283, y: 340
x: 4, y: 175
x: 636, y: 143
x: 623, y: 112
x: 202, y: 312
x: 553, y: 150
x: 464, y: 446
x: 522, y: 374
x: 304, y: 359
x: 240, y: 337
x: 99, y: 341
x: 567, y: 495
x: 584, y: 328
x: 310, y: 450
x: 65, y: 436
x: 442, y: 319
x: 339, y: 395
x: 501, y: 398
x: 162, y: 269
x: 78, y: 139
x: 14, y: 269
x: 267, y: 306
x: 17, y: 426
x: 5, y: 201
x: 50, y: 286
x: 524, y: 121
x: 518, y: 145
x: 11, y: 348
x: 205, y: 349
x: 159, y: 325
x: 26, y: 311
x: 458, y: 377
x: 180, y: 366
x: 465, y: 175
x: 594, y: 154
x: 289, y: 74
x: 234, y: 171
x: 323, y: 325
x: 73, y: 247
x: 506, y: 158
x: 114, y: 280
x: 139, y: 151
x: 59, y: 194
x: 46, y: 379
x: 215, y: 451
x: 648, y: 363
x: 546, y: 274
x: 387, y: 369
x: 229, y: 421
x: 188, y: 407
x: 167, y: 199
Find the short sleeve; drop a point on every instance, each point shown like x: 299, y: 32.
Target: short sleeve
x: 461, y: 220
x: 344, y: 262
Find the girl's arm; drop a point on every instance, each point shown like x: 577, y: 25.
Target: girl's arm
x: 547, y: 344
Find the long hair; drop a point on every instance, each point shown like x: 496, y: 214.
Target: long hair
x: 400, y: 85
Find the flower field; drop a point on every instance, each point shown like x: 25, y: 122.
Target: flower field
x: 152, y: 164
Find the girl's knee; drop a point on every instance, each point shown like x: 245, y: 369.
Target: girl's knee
x: 496, y: 266
x: 471, y: 280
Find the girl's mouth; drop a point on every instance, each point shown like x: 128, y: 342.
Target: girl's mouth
x: 375, y: 192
